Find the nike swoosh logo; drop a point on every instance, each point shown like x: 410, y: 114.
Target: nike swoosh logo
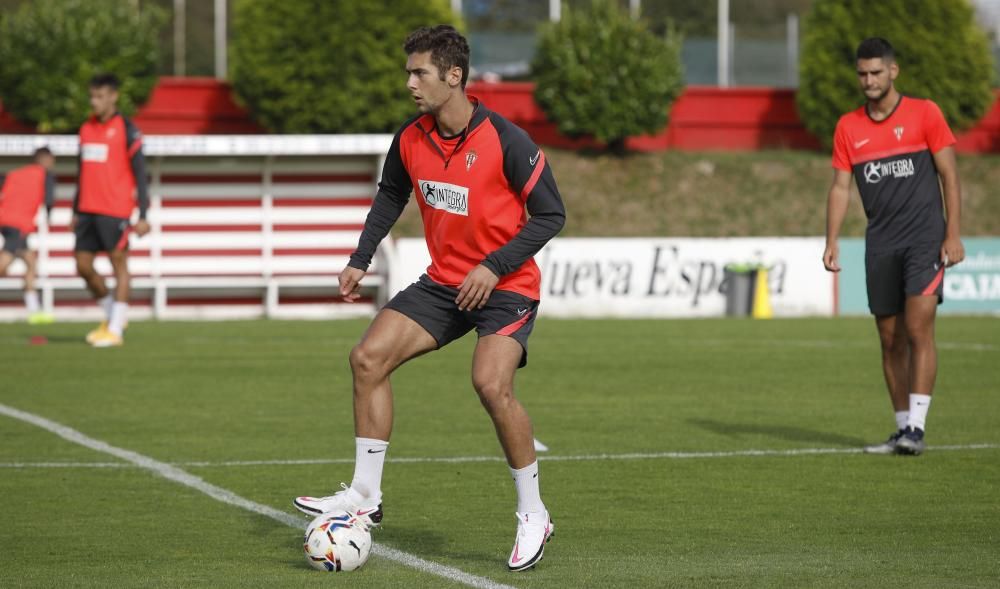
x: 861, y: 143
x: 360, y: 513
x: 370, y: 451
x: 534, y: 160
x: 517, y: 557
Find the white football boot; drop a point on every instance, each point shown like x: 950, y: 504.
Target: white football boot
x: 886, y: 447
x: 533, y: 531
x: 368, y: 513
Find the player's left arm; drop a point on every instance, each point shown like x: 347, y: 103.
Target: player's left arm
x: 952, y: 250
x: 530, y: 175
x: 941, y: 141
x: 50, y: 193
x: 138, y: 163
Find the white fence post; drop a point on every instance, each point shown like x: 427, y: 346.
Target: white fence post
x: 723, y: 51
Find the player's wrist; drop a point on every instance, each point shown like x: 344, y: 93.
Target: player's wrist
x: 492, y: 267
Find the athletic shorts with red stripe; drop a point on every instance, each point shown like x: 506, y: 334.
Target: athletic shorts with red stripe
x: 894, y: 275
x: 13, y: 240
x: 433, y: 307
x: 101, y: 233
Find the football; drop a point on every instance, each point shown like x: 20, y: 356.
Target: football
x: 336, y: 542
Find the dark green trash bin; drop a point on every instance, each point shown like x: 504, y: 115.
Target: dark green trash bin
x: 738, y: 282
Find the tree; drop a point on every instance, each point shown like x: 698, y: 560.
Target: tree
x: 942, y: 54
x: 49, y: 49
x: 601, y: 74
x: 327, y: 66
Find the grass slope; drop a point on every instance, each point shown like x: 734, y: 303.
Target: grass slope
x: 723, y: 194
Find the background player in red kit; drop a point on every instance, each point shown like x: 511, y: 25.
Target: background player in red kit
x: 22, y: 193
x: 473, y: 174
x: 897, y: 149
x: 112, y: 175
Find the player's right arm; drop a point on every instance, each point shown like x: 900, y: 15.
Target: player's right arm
x: 838, y: 197
x: 393, y: 193
x: 836, y: 209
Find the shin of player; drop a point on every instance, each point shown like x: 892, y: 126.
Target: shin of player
x: 110, y: 182
x: 489, y: 202
x: 899, y: 151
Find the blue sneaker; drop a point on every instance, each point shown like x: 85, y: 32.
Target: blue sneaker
x: 911, y: 443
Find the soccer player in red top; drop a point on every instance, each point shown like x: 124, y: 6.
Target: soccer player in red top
x: 22, y: 193
x: 112, y: 175
x: 489, y: 203
x: 899, y: 150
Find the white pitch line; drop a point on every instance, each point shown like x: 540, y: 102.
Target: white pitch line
x: 873, y: 344
x: 187, y: 479
x: 459, y: 459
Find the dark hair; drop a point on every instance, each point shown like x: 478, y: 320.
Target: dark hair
x: 41, y: 152
x: 105, y: 79
x: 447, y: 46
x: 876, y: 48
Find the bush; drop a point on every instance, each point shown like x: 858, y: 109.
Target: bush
x: 335, y: 66
x: 49, y: 49
x: 942, y: 54
x: 601, y: 74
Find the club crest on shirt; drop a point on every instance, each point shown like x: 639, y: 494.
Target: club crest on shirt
x: 899, y: 133
x: 470, y: 158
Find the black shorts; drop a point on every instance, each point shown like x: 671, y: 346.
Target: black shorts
x: 893, y: 276
x: 13, y: 240
x: 101, y: 233
x: 433, y: 307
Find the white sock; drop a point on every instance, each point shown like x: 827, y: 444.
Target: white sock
x: 919, y: 404
x: 31, y: 301
x: 901, y: 418
x: 105, y: 303
x: 116, y: 321
x: 369, y: 457
x: 529, y: 498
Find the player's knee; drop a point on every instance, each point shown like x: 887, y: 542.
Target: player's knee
x: 893, y: 341
x: 365, y: 362
x: 85, y: 269
x: 919, y: 338
x: 493, y: 394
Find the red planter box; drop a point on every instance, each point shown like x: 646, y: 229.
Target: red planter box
x: 703, y: 118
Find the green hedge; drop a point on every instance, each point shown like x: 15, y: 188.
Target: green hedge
x: 942, y: 54
x: 49, y: 49
x: 601, y: 74
x: 327, y: 66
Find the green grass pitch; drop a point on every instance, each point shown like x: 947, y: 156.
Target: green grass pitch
x: 616, y: 396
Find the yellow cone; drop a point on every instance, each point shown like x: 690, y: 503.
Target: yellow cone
x: 762, y: 297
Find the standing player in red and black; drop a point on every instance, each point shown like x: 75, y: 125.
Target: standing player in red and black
x: 112, y: 174
x: 474, y: 174
x: 899, y: 150
x: 22, y: 192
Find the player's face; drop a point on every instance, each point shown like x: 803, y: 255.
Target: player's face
x: 876, y: 76
x: 424, y: 82
x: 103, y: 100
